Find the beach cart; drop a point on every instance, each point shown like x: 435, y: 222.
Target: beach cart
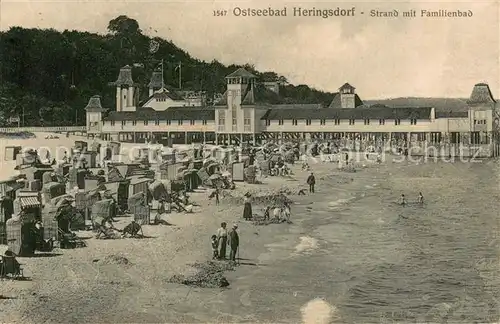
x: 139, y: 207
x: 115, y: 148
x: 138, y: 185
x: 77, y: 177
x: 119, y: 190
x: 81, y: 146
x: 101, y: 211
x: 18, y: 234
x: 52, y: 190
x: 11, y: 152
x: 27, y: 206
x: 49, y: 222
x: 88, y: 159
x: 238, y: 172
x: 158, y: 190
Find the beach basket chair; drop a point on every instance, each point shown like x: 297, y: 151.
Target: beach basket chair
x: 10, y: 266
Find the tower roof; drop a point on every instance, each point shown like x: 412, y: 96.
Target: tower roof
x: 241, y: 73
x: 124, y: 77
x: 481, y: 94
x: 156, y: 80
x: 346, y: 86
x: 94, y: 104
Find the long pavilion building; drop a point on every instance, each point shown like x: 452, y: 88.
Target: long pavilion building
x: 255, y: 112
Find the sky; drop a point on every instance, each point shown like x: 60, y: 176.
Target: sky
x: 381, y: 57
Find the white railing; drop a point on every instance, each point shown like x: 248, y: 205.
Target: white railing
x: 43, y: 129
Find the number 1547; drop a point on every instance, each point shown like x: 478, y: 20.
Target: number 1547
x: 220, y: 13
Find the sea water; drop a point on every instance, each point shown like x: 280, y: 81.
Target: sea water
x: 362, y: 258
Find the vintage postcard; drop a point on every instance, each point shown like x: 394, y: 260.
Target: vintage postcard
x: 249, y: 161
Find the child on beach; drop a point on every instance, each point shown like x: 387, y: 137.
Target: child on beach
x: 420, y: 198
x: 215, y: 246
x: 402, y: 200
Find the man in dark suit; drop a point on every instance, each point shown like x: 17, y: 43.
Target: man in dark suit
x: 311, y: 181
x: 234, y: 243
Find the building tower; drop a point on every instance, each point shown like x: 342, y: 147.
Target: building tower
x: 483, y: 116
x: 156, y: 83
x: 347, y: 96
x: 239, y: 83
x: 125, y: 87
x: 93, y: 112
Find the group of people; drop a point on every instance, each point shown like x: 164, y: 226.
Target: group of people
x: 403, y: 202
x: 222, y: 239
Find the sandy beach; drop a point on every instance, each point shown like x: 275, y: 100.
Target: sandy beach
x: 351, y: 255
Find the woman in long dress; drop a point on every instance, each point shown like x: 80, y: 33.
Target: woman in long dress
x: 222, y: 240
x: 247, y: 210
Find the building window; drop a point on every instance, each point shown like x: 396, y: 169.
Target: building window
x: 246, y: 121
x: 367, y: 122
x: 474, y: 137
x: 204, y: 122
x: 322, y: 122
x: 222, y: 121
x: 235, y: 121
x: 308, y: 122
x: 145, y: 123
x: 280, y: 122
x: 294, y: 122
x: 337, y: 122
x: 268, y: 122
x: 123, y: 123
x: 351, y: 121
x: 179, y: 122
x: 381, y: 121
x: 157, y: 123
x: 134, y: 122
x: 485, y: 137
x: 475, y: 121
x: 112, y: 123
x: 436, y: 137
x: 397, y: 121
x: 169, y: 122
x: 413, y: 121
x: 192, y: 122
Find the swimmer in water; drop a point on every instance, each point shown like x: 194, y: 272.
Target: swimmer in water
x: 420, y: 198
x: 403, y: 200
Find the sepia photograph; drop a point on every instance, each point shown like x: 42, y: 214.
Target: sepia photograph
x: 249, y: 161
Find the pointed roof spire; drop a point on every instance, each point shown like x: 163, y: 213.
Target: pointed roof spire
x: 241, y: 73
x: 124, y: 77
x: 94, y: 104
x: 347, y: 86
x: 481, y: 94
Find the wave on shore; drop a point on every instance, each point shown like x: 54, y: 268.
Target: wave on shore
x: 318, y: 311
x: 306, y: 244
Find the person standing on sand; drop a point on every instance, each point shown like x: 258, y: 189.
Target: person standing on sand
x: 222, y: 240
x: 234, y: 243
x: 402, y: 200
x: 311, y: 181
x: 420, y: 198
x: 217, y: 196
x: 247, y: 209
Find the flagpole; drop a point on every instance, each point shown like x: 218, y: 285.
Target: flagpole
x: 180, y: 75
x: 162, y: 82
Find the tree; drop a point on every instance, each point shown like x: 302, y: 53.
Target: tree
x: 124, y: 25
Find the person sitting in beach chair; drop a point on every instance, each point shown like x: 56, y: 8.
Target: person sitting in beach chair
x: 132, y: 229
